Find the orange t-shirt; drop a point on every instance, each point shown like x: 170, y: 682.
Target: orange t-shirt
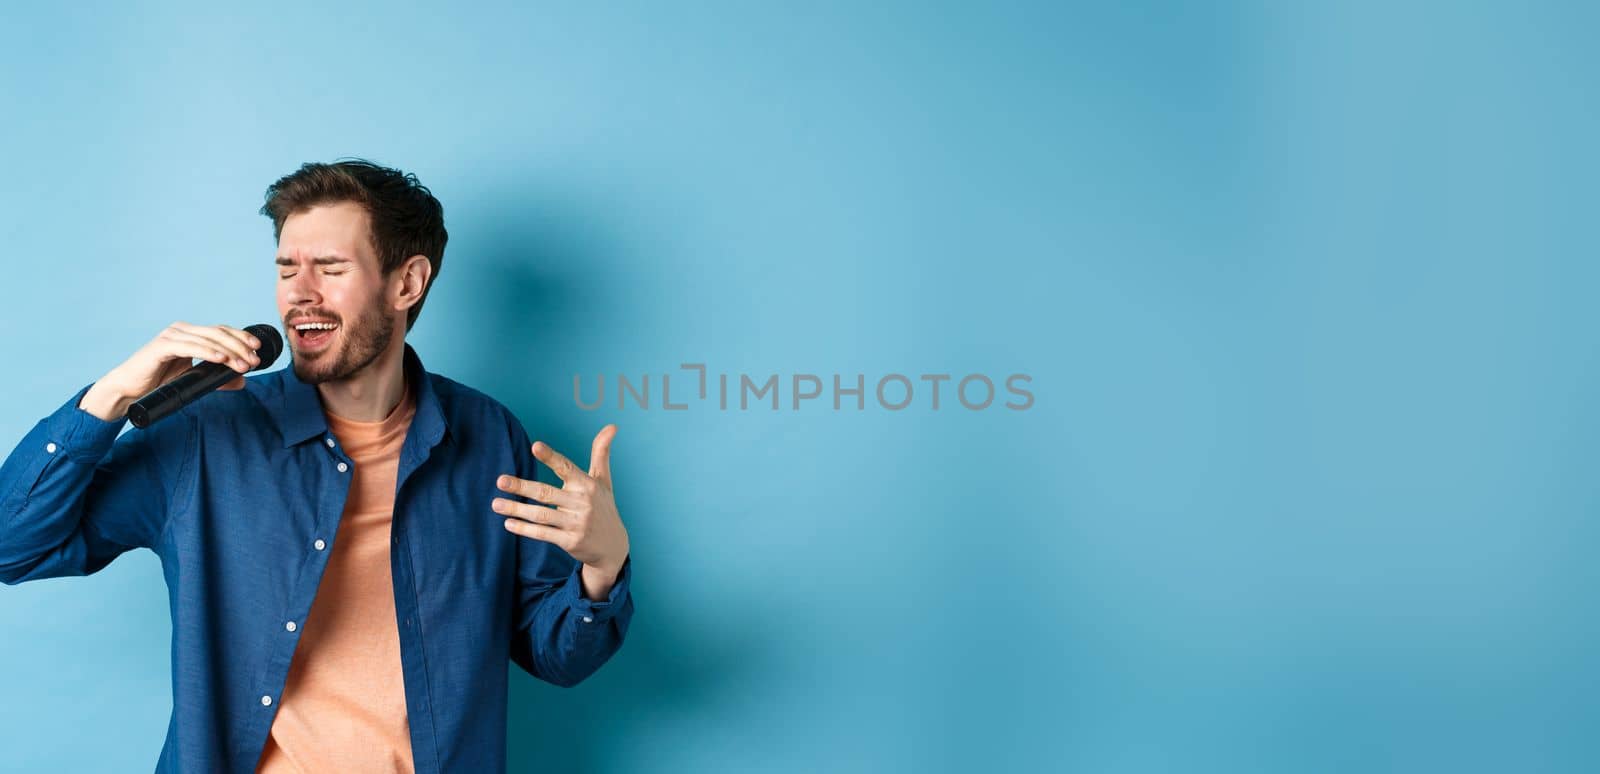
x: 344, y: 701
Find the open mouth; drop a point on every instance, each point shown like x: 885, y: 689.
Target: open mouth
x: 313, y: 336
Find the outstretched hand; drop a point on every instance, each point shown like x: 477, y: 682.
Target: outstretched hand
x: 581, y: 516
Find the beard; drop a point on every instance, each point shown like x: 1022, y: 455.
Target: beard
x: 357, y: 346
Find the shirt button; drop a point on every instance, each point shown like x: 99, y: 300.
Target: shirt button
x: 330, y: 443
x: 343, y: 467
x: 50, y: 447
x: 266, y: 701
x: 320, y: 544
x: 588, y: 619
x: 290, y: 626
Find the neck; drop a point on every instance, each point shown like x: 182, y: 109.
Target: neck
x: 372, y: 393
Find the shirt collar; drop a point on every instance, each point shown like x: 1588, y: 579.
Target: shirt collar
x: 297, y: 409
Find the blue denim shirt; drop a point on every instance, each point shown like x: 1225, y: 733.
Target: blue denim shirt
x: 240, y: 494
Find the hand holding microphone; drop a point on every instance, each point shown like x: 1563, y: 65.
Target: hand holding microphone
x: 160, y: 378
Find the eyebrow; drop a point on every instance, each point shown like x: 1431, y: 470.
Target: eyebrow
x: 321, y: 260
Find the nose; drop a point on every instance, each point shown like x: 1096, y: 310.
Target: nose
x: 302, y: 291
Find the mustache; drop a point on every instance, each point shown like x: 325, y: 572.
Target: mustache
x: 311, y: 316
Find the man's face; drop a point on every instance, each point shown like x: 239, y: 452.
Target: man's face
x: 328, y: 273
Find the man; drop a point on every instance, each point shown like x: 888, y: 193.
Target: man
x: 353, y: 546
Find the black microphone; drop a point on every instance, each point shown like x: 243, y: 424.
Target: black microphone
x: 195, y: 383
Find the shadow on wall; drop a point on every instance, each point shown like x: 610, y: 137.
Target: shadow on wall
x: 533, y: 283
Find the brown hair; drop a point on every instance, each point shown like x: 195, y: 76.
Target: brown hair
x: 406, y: 219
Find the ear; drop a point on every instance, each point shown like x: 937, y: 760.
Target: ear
x: 414, y: 275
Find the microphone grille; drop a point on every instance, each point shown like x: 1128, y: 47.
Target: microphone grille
x: 271, y: 343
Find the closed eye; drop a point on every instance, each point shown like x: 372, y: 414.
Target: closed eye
x: 326, y: 273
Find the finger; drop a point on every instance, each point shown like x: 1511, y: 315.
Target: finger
x: 237, y: 340
x: 236, y: 384
x: 600, y: 454
x: 538, y: 490
x: 217, y: 334
x: 177, y: 345
x: 552, y: 535
x: 246, y: 338
x: 558, y: 462
x: 235, y: 348
x: 206, y: 349
x: 536, y: 514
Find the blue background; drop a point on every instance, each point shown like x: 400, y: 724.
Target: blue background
x: 1306, y: 294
